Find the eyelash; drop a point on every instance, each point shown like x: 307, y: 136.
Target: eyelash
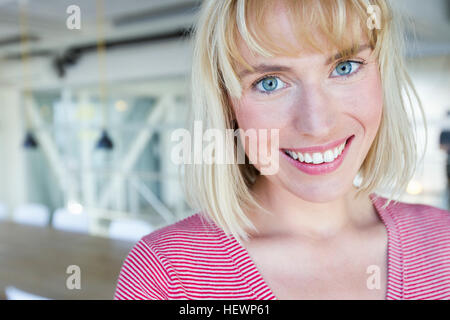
x: 362, y: 63
x: 254, y: 84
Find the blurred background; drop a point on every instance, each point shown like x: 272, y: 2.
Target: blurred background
x: 86, y: 113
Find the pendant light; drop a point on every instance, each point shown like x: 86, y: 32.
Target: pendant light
x: 105, y: 142
x: 30, y: 141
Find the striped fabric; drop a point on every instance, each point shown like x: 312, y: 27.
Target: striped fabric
x: 194, y: 259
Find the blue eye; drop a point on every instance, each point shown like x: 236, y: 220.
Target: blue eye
x: 269, y: 84
x: 346, y: 68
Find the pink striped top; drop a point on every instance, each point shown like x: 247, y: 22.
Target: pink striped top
x: 194, y: 259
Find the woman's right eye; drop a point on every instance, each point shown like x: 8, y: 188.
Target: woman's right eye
x: 269, y: 84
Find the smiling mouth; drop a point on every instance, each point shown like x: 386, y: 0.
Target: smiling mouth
x: 327, y: 156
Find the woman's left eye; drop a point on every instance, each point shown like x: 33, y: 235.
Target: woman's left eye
x: 346, y: 68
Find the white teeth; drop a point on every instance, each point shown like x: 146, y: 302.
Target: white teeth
x: 328, y: 156
x: 317, y: 157
x: 308, y: 158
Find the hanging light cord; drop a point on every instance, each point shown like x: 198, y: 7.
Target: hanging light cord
x: 23, y: 22
x: 101, y: 61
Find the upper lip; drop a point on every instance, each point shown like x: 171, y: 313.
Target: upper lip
x: 321, y: 148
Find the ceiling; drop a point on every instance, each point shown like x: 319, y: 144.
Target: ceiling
x: 131, y: 19
x: 120, y: 19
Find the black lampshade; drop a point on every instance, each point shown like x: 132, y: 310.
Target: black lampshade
x: 105, y: 142
x: 444, y: 138
x: 30, y: 141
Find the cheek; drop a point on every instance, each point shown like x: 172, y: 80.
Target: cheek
x: 372, y: 102
x: 257, y: 119
x: 363, y: 101
x: 265, y: 114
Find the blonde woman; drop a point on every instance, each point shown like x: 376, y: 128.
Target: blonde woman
x: 328, y: 76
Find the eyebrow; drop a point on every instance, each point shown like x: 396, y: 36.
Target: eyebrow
x: 265, y: 68
x: 347, y: 52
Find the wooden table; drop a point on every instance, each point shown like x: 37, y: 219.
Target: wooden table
x: 35, y: 259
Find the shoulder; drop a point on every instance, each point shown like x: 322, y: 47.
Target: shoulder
x: 421, y: 248
x: 155, y: 264
x: 418, y: 215
x: 192, y: 231
x: 420, y: 226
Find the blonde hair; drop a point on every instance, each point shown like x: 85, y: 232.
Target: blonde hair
x: 222, y: 191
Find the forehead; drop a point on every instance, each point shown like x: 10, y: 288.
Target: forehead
x: 277, y: 25
x: 282, y: 31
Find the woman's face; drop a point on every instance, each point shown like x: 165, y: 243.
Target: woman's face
x: 315, y: 100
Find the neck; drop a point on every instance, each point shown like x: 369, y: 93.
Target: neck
x: 292, y: 215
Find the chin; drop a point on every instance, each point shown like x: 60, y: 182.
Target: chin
x: 320, y: 193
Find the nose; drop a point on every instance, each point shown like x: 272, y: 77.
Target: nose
x: 316, y: 114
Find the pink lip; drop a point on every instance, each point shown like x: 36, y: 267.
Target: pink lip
x: 324, y: 167
x: 323, y: 148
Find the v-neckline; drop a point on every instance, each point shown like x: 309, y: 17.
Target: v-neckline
x: 394, y: 287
